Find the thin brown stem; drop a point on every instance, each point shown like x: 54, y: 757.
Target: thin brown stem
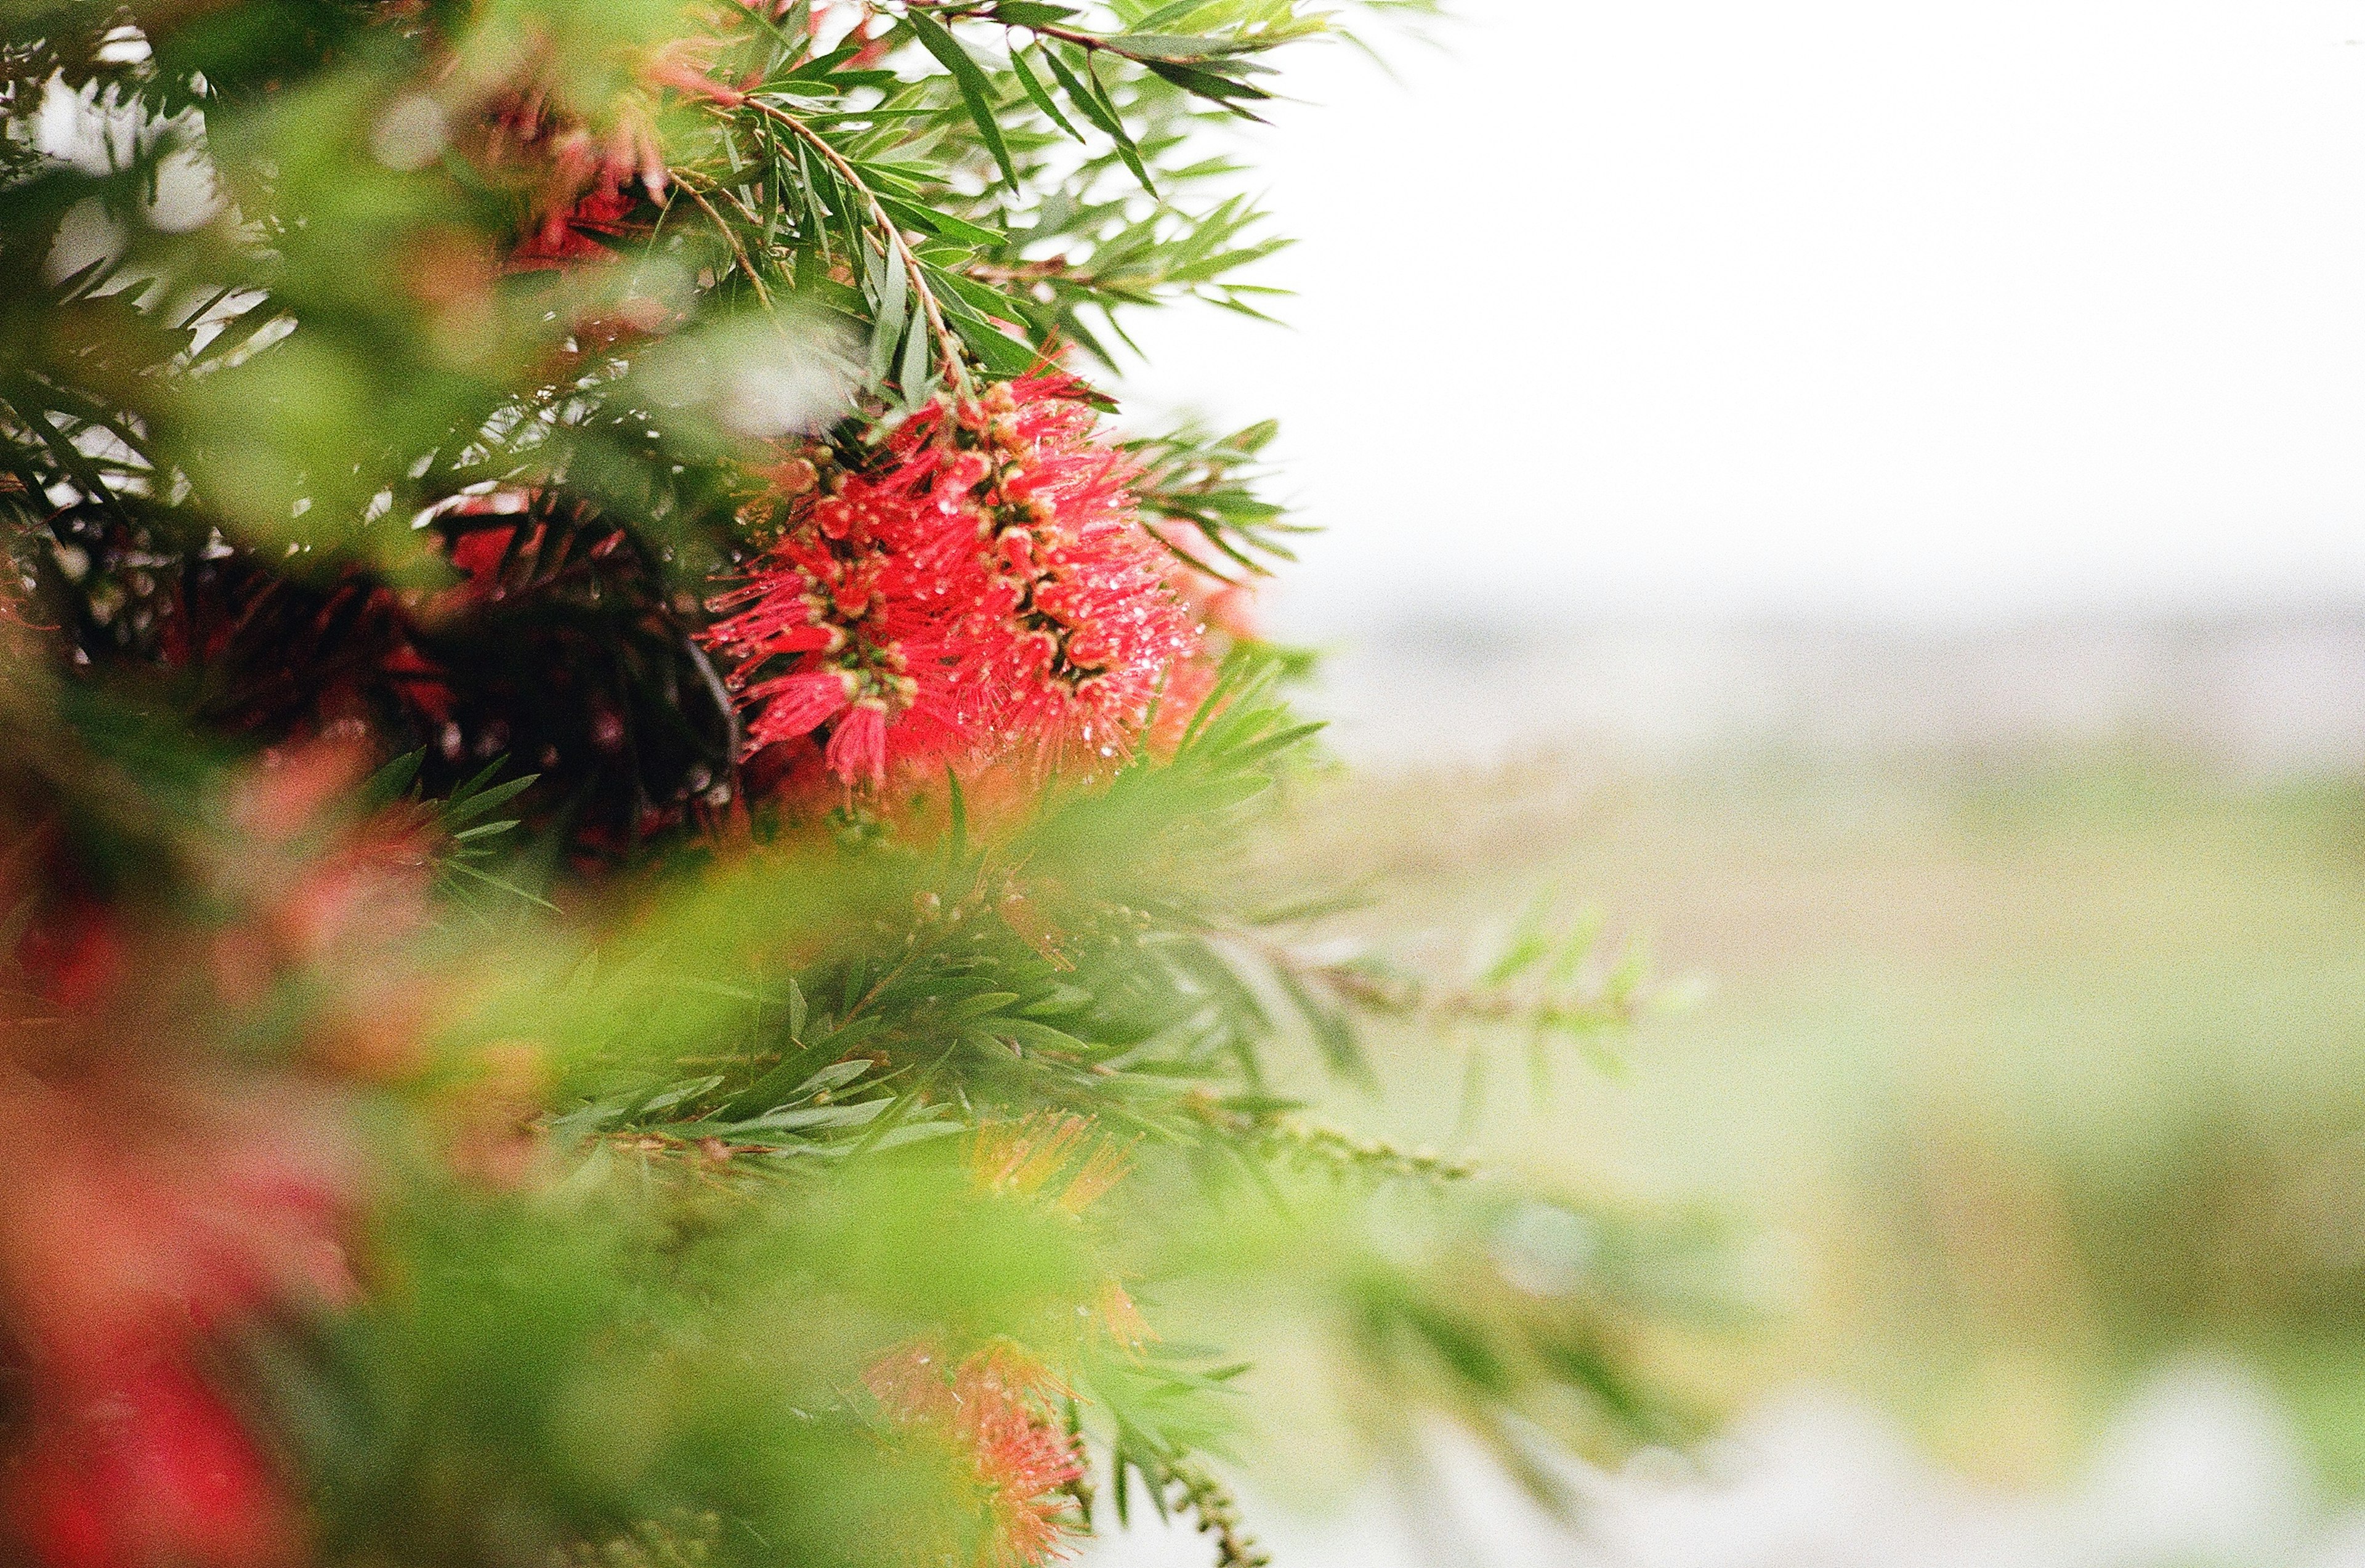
x: 1091, y: 43
x: 1021, y: 272
x: 731, y: 236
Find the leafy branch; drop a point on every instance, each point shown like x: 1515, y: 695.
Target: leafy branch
x: 1207, y: 483
x: 464, y: 843
x: 1210, y: 66
x: 903, y: 266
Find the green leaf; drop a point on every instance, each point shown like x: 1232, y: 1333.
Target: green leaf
x: 679, y: 1093
x: 1042, y: 96
x: 975, y: 90
x: 1574, y: 948
x: 465, y: 869
x: 1530, y: 943
x: 390, y: 783
x: 843, y: 1038
x: 978, y: 1007
x: 476, y: 803
x: 891, y: 290
x: 885, y: 333
x: 915, y: 372
x: 1060, y: 1001
x: 1098, y: 110
x: 1208, y: 84
x: 1179, y: 46
x: 1042, y: 1036
x: 1167, y: 12
x: 999, y: 353
x: 944, y: 224
x: 821, y: 66
x: 957, y: 810
x: 1032, y: 13
x: 895, y: 294
x: 1253, y: 439
x: 836, y: 1075
x: 801, y: 1117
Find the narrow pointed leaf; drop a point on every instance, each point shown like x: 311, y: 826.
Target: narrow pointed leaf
x: 975, y: 91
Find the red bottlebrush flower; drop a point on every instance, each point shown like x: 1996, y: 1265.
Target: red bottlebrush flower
x: 147, y: 1467
x: 1085, y: 626
x: 984, y: 590
x: 996, y: 1407
x: 850, y: 618
x: 114, y: 1265
x: 799, y: 704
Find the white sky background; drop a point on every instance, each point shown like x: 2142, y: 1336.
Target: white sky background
x: 1929, y: 311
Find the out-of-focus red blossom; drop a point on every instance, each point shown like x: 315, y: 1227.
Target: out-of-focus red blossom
x: 167, y: 1207
x: 984, y: 590
x: 169, y: 1198
x: 329, y: 899
x: 1226, y: 605
x: 130, y: 1242
x: 152, y: 1468
x: 73, y: 956
x: 569, y: 237
x: 1227, y: 609
x: 996, y: 1407
x: 1186, y: 689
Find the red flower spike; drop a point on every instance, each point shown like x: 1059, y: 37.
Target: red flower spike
x: 986, y: 590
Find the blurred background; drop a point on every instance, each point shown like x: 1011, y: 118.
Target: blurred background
x: 1868, y: 496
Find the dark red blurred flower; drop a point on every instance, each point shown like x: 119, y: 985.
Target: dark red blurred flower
x: 146, y: 1467
x: 165, y: 1208
x: 172, y: 1192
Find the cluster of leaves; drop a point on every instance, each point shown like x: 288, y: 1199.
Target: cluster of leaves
x: 1076, y: 194
x: 270, y: 377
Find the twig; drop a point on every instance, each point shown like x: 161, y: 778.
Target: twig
x: 1218, y: 1513
x: 763, y: 295
x: 990, y: 11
